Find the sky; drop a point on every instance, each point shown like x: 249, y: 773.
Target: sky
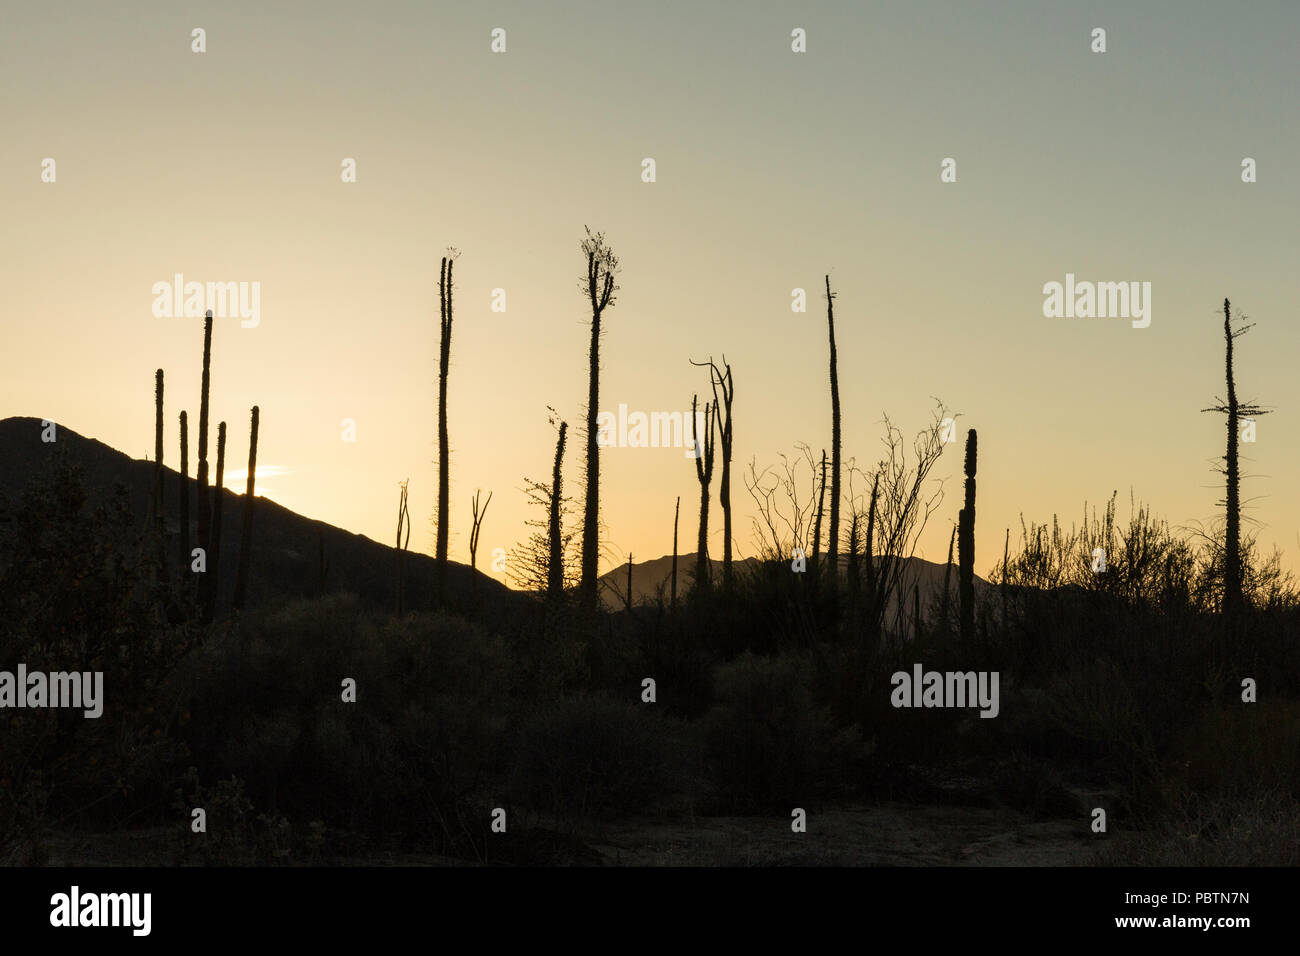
x: 772, y: 169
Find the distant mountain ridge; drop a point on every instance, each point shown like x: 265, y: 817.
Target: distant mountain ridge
x: 285, y: 545
x: 648, y: 575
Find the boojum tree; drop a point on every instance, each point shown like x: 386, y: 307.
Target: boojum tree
x: 444, y: 366
x: 599, y: 287
x: 833, y: 540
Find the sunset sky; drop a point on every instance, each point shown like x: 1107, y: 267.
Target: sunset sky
x: 773, y: 169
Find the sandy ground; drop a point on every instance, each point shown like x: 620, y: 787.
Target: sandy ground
x: 882, y: 834
x: 887, y: 834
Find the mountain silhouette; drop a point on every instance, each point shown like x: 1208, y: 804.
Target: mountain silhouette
x: 286, y: 546
x: 647, y: 576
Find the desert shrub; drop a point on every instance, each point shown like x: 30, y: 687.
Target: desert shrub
x: 264, y: 702
x: 598, y: 757
x: 234, y: 835
x: 1247, y: 829
x: 1235, y: 750
x: 768, y: 742
x: 75, y: 595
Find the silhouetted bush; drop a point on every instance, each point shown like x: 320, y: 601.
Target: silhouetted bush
x: 265, y: 702
x: 768, y: 743
x: 595, y: 756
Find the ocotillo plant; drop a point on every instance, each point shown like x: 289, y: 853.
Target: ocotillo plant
x: 218, y: 492
x: 444, y: 364
x: 1233, y: 598
x: 704, y: 472
x: 185, y: 500
x: 966, y: 545
x: 246, y: 533
x: 833, y: 541
x: 403, y: 520
x: 555, y: 543
x: 478, y: 516
x: 599, y: 287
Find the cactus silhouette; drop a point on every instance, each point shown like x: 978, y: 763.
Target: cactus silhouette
x: 159, y: 499
x: 704, y: 472
x: 444, y: 364
x: 246, y: 532
x: 966, y: 545
x: 555, y: 543
x: 722, y: 378
x: 201, y: 502
x: 185, y: 499
x: 214, y: 559
x: 158, y: 444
